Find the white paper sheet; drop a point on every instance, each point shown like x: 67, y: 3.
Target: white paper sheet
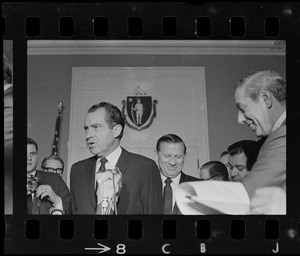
x: 212, y: 197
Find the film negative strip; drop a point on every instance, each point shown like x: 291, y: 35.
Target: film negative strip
x: 169, y: 68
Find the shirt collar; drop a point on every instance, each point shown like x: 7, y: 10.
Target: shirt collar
x: 174, y: 180
x: 112, y: 159
x: 279, y: 121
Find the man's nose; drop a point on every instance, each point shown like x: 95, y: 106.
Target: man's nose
x: 28, y: 157
x: 172, y: 161
x: 88, y: 133
x: 241, y: 117
x: 233, y: 172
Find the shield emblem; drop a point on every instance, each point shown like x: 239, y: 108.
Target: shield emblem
x: 139, y: 109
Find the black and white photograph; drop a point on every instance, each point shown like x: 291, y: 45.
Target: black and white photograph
x: 180, y: 104
x: 151, y: 128
x: 8, y: 124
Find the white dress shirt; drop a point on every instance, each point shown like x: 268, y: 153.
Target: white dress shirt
x: 112, y: 160
x: 279, y: 121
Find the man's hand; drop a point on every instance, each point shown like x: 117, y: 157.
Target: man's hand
x: 44, y: 191
x: 268, y: 200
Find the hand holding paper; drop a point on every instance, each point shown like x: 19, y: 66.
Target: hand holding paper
x: 212, y: 197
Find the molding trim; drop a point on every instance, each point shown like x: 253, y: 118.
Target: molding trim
x: 156, y: 47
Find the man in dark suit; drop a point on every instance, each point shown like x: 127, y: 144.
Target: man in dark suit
x: 140, y: 194
x: 260, y: 97
x: 242, y: 156
x: 171, y: 152
x: 47, y: 193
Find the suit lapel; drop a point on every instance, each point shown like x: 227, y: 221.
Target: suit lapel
x: 90, y: 177
x: 176, y: 209
x: 123, y: 161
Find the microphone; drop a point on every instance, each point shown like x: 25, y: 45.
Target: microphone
x: 108, y: 187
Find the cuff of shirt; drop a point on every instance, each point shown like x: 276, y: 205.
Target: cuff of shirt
x: 59, y: 205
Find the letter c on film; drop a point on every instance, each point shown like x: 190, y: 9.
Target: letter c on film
x: 163, y: 248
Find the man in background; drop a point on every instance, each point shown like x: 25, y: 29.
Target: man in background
x: 242, y: 156
x: 171, y: 153
x: 47, y: 193
x: 260, y: 97
x: 224, y: 159
x: 8, y: 135
x: 104, y: 128
x: 214, y: 170
x: 53, y: 164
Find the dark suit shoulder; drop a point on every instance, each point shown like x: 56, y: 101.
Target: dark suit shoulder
x: 185, y: 177
x: 49, y: 176
x: 84, y: 162
x: 137, y: 157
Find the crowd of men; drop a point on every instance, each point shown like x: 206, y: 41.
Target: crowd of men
x: 127, y: 183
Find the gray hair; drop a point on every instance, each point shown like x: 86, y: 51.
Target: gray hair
x: 269, y: 80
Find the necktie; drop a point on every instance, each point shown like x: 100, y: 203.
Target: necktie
x: 103, y: 161
x: 101, y: 169
x: 167, y: 197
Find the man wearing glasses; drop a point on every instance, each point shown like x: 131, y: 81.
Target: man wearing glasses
x: 53, y: 164
x: 47, y: 193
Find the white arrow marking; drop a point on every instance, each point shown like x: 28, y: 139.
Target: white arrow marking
x: 102, y: 248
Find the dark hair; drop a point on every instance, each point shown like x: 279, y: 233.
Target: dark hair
x: 7, y: 71
x: 254, y: 81
x: 113, y: 115
x: 52, y: 157
x: 249, y: 147
x: 224, y: 153
x: 170, y: 138
x: 32, y: 142
x: 216, y: 168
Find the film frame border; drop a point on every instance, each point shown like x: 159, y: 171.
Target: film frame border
x: 15, y: 15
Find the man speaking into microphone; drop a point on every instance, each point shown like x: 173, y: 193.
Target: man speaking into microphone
x: 95, y: 181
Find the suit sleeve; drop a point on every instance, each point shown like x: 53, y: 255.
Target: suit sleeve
x: 73, y: 206
x: 152, y: 191
x: 270, y: 167
x: 64, y: 193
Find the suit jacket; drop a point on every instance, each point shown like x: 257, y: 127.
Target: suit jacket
x: 140, y: 192
x: 270, y: 167
x: 59, y: 187
x: 8, y: 148
x: 184, y: 178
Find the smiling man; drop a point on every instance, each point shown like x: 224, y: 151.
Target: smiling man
x: 260, y: 97
x: 171, y: 152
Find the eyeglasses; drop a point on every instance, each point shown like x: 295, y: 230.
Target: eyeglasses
x: 216, y: 175
x: 54, y: 170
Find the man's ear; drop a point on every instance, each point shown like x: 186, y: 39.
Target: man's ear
x: 117, y: 130
x: 267, y: 97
